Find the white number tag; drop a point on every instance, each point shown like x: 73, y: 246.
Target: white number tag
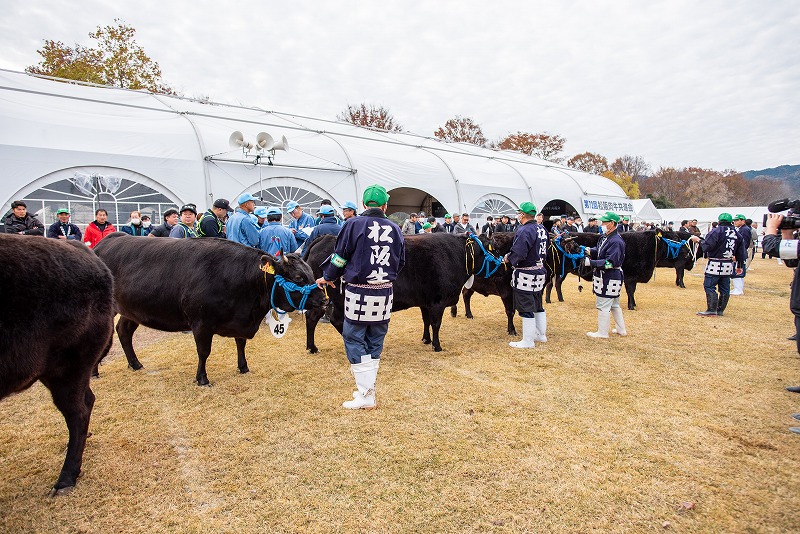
x: 278, y: 324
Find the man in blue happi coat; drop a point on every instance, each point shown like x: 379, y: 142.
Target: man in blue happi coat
x: 607, y: 277
x: 369, y: 254
x: 527, y: 256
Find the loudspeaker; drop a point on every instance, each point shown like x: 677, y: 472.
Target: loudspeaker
x: 236, y: 140
x: 264, y: 141
x: 283, y: 144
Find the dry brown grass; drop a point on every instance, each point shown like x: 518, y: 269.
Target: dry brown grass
x: 571, y: 436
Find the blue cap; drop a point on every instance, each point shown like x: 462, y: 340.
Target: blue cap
x: 349, y: 206
x: 273, y: 211
x: 261, y: 211
x: 291, y: 206
x: 326, y: 210
x: 245, y: 197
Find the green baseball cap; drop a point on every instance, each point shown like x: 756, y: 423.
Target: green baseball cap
x: 725, y: 217
x: 528, y: 208
x: 739, y: 217
x: 448, y: 216
x: 375, y: 195
x: 426, y: 225
x: 62, y: 210
x: 610, y: 216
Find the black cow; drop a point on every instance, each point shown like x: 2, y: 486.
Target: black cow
x: 208, y: 286
x: 437, y: 267
x: 680, y: 255
x: 56, y: 324
x: 643, y: 250
x: 315, y: 255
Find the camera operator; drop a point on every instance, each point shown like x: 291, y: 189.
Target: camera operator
x: 786, y: 248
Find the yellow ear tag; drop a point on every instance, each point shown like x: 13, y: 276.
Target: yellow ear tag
x: 270, y: 269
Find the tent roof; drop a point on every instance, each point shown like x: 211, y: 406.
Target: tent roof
x: 645, y: 210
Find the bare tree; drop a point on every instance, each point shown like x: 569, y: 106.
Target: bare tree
x: 461, y: 130
x: 370, y: 116
x: 635, y: 166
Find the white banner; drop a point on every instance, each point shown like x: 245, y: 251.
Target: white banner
x: 604, y: 204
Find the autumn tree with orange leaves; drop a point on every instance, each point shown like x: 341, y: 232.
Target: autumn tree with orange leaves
x: 370, y: 116
x: 461, y: 130
x: 589, y: 162
x: 540, y: 145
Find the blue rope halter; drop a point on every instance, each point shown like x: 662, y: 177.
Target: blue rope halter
x: 574, y: 258
x: 673, y: 247
x: 288, y: 287
x: 489, y: 259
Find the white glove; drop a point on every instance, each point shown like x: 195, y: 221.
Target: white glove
x: 587, y: 261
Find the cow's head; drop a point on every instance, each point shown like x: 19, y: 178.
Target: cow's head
x: 289, y: 280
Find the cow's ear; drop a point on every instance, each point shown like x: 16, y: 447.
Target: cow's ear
x: 268, y: 263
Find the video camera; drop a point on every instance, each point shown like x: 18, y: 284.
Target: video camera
x: 790, y: 220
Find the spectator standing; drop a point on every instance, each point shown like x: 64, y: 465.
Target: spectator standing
x: 349, y: 210
x: 369, y: 254
x: 737, y: 280
x: 240, y: 227
x: 187, y: 227
x: 134, y: 226
x: 146, y: 224
x: 410, y: 225
x: 571, y: 227
x: 435, y: 226
x: 171, y: 218
x: 21, y: 222
x: 607, y: 278
x: 212, y: 222
x: 504, y: 225
x: 300, y: 220
x: 693, y: 229
x: 98, y: 228
x: 724, y: 248
x: 63, y: 229
x: 488, y: 227
x: 683, y: 231
x: 625, y: 226
x: 464, y: 226
x: 753, y: 241
x: 578, y: 223
x: 274, y: 238
x: 592, y: 227
x: 449, y: 226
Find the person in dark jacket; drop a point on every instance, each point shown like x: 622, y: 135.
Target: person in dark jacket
x: 737, y: 280
x: 21, y: 222
x: 171, y: 218
x: 212, y: 222
x: 435, y: 226
x: 607, y: 278
x: 503, y: 225
x: 135, y: 226
x: 328, y: 224
x: 726, y: 252
x: 369, y: 254
x: 449, y: 226
x: 488, y: 228
x: 63, y: 229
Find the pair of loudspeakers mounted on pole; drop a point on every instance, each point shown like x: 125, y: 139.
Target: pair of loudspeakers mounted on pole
x: 264, y: 141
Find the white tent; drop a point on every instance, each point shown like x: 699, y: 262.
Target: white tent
x: 705, y: 216
x: 83, y: 147
x: 645, y: 210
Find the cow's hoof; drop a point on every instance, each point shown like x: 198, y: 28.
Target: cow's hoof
x: 512, y: 332
x: 136, y: 366
x: 203, y: 382
x: 244, y: 370
x: 426, y: 341
x: 561, y: 300
x: 469, y: 316
x: 61, y: 491
x: 632, y: 308
x: 437, y: 349
x: 453, y: 313
x: 313, y: 350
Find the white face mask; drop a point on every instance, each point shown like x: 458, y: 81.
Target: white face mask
x: 145, y: 224
x: 136, y: 222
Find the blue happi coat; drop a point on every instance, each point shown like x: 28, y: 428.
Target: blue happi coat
x: 528, y: 252
x: 606, y: 261
x: 369, y: 254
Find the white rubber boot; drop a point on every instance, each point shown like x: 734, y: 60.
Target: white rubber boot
x: 603, y: 323
x: 365, y: 374
x: 738, y: 286
x: 620, y: 329
x: 528, y: 334
x: 541, y: 326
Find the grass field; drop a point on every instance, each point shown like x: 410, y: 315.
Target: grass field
x: 682, y: 426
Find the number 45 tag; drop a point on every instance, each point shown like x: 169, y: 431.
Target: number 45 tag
x: 278, y: 323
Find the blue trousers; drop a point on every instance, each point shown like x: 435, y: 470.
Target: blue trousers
x: 711, y: 282
x: 363, y: 339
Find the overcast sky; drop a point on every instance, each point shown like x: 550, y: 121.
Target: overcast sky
x: 714, y: 84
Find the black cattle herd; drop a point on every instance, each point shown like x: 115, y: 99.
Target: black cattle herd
x: 61, y: 299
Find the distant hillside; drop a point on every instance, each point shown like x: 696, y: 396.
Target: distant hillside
x: 789, y: 173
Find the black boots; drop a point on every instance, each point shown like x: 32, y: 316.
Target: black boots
x: 722, y: 304
x: 711, y: 305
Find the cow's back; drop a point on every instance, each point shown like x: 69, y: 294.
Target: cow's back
x: 167, y: 284
x: 56, y: 296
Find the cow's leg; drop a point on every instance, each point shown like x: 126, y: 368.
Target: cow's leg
x: 454, y: 310
x: 467, y: 294
x: 426, y: 322
x: 679, y: 277
x: 435, y: 315
x: 74, y: 399
x: 96, y: 368
x: 508, y: 303
x: 630, y: 289
x: 312, y: 318
x: 242, y: 360
x: 202, y: 339
x: 125, y: 330
x: 548, y: 287
x: 559, y: 281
